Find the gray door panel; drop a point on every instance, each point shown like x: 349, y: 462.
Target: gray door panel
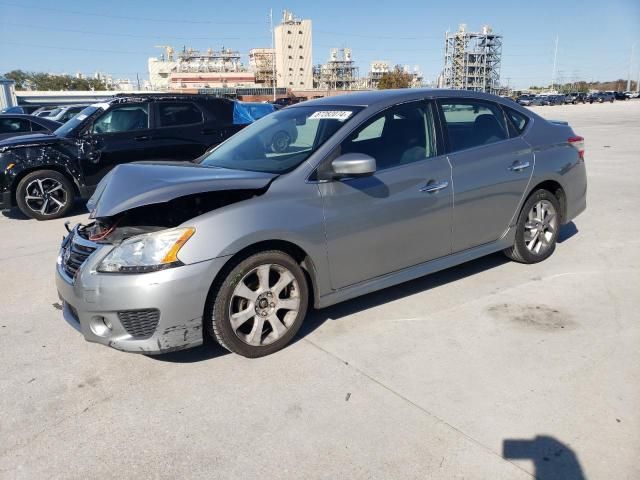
x: 489, y: 182
x: 380, y: 224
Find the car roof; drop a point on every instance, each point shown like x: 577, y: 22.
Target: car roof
x: 384, y: 97
x: 162, y: 97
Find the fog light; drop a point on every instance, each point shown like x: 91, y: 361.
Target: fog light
x: 100, y: 326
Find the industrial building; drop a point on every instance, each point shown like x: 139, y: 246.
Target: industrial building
x: 472, y: 60
x: 262, y: 63
x: 339, y: 73
x: 378, y: 68
x: 192, y: 69
x: 294, y: 59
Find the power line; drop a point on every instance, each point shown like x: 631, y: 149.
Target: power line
x: 123, y: 17
x: 77, y: 49
x: 392, y: 37
x: 129, y: 35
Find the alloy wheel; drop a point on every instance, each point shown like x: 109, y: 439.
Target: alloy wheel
x: 264, y: 304
x: 46, y: 196
x: 540, y: 227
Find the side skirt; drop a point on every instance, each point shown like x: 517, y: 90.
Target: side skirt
x: 417, y: 271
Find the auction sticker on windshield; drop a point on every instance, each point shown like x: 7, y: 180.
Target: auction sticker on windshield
x: 340, y: 115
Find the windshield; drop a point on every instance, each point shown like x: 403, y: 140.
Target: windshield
x: 74, y: 122
x: 280, y: 141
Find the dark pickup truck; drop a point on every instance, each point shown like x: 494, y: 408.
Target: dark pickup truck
x: 42, y: 174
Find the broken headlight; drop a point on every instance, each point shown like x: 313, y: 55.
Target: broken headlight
x: 147, y: 253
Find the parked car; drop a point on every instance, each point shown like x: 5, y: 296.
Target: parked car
x: 619, y: 95
x: 24, y: 109
x: 539, y: 100
x: 575, y: 98
x: 64, y: 113
x: 631, y: 94
x: 43, y: 173
x: 557, y: 99
x: 525, y: 100
x: 242, y: 243
x: 17, y: 124
x: 278, y: 141
x: 286, y: 101
x: 601, y: 97
x: 44, y: 111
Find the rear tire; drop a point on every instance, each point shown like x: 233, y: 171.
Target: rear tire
x: 45, y: 195
x: 259, y: 304
x: 537, y: 228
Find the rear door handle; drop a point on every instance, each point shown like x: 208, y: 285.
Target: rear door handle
x: 433, y: 187
x: 141, y: 138
x: 518, y: 166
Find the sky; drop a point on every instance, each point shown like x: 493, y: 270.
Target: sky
x: 595, y: 39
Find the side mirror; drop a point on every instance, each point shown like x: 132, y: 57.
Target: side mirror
x: 353, y: 165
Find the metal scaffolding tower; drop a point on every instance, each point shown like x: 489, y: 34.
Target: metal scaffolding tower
x: 339, y: 73
x: 472, y: 60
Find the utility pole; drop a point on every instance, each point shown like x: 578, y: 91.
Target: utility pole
x: 555, y: 63
x: 630, y: 68
x: 273, y: 49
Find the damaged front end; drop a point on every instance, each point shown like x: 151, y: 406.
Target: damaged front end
x: 120, y: 277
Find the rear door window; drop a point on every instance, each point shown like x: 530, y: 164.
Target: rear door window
x: 35, y: 127
x: 473, y: 123
x: 175, y: 114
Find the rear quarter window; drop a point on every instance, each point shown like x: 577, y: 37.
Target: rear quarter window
x: 518, y: 120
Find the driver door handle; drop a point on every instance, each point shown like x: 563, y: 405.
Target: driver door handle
x: 518, y: 166
x: 141, y: 138
x: 433, y: 187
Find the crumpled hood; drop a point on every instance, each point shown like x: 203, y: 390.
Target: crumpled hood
x: 35, y: 139
x: 137, y: 184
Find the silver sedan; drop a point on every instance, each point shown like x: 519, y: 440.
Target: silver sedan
x: 376, y: 189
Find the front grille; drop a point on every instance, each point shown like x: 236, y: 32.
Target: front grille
x: 140, y: 323
x: 75, y: 255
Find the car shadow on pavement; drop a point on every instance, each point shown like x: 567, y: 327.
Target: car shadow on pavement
x: 316, y: 318
x: 207, y: 351
x: 567, y: 231
x: 552, y: 459
x: 79, y: 208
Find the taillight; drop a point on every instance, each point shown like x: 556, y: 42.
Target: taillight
x: 578, y: 144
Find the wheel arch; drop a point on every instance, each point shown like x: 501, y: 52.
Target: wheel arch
x: 290, y: 248
x: 556, y: 189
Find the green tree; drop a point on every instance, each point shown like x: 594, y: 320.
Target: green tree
x: 20, y: 77
x: 397, y: 78
x: 45, y: 81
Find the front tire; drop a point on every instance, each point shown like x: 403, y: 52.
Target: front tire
x: 537, y: 228
x: 259, y: 305
x: 45, y: 195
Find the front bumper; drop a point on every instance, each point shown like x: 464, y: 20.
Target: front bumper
x: 179, y: 294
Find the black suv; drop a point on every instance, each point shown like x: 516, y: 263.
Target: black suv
x: 575, y: 97
x: 42, y: 174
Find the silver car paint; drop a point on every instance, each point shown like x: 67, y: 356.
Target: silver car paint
x: 359, y: 252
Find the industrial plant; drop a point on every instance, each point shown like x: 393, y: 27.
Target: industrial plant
x: 286, y: 66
